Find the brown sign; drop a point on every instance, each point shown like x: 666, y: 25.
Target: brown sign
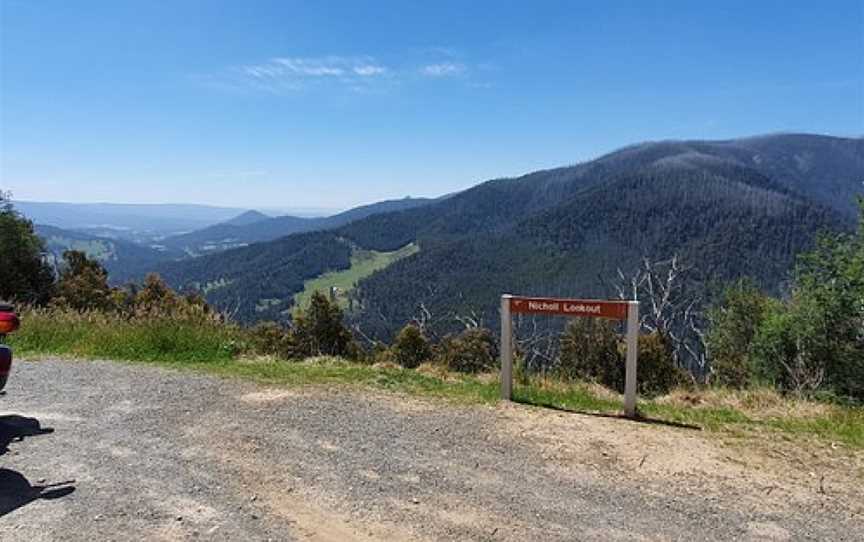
x: 616, y: 310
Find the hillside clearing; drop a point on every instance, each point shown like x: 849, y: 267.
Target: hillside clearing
x: 363, y: 264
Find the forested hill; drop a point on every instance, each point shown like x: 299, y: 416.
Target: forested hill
x: 116, y: 255
x: 258, y: 281
x: 729, y: 208
x: 827, y: 171
x: 720, y: 227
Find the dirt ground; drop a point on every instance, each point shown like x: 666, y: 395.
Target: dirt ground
x: 108, y: 451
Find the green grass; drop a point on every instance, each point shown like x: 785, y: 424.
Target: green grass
x: 211, y: 347
x: 573, y: 397
x: 710, y: 418
x: 363, y: 264
x: 844, y: 425
x: 100, y: 336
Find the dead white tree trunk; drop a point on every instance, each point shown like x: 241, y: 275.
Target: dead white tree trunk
x: 667, y: 308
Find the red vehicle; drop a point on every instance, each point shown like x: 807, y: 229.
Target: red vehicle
x: 8, y: 323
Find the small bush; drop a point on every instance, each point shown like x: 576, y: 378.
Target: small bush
x: 656, y: 370
x: 472, y: 351
x: 272, y: 339
x: 83, y: 284
x: 590, y: 352
x: 410, y: 347
x: 733, y: 326
x: 377, y: 352
x: 156, y: 297
x: 319, y: 331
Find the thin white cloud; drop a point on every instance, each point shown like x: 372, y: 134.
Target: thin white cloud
x: 362, y: 73
x: 311, y: 67
x: 444, y: 69
x: 262, y: 72
x: 294, y: 73
x: 369, y: 70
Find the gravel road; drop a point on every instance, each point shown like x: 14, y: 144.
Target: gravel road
x: 109, y: 451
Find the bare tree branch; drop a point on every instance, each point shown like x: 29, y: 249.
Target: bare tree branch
x: 666, y: 308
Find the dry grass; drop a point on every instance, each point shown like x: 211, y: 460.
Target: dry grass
x: 557, y: 385
x: 757, y: 404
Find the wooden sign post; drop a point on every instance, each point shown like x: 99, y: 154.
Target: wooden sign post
x: 590, y: 308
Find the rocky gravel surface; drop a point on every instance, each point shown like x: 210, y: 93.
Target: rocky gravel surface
x: 110, y: 451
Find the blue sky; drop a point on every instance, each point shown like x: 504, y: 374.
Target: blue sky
x: 328, y: 105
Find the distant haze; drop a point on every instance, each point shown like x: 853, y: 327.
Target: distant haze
x: 167, y: 217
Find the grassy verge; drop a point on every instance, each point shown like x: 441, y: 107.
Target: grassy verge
x: 212, y: 348
x: 97, y: 335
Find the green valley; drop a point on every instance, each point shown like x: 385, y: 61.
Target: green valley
x: 363, y: 264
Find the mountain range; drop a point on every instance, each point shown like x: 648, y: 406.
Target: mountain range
x: 128, y: 253
x: 140, y: 223
x: 727, y: 209
x: 254, y: 227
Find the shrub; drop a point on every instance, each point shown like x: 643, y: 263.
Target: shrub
x: 804, y: 346
x: 410, y: 347
x: 377, y: 353
x: 319, y: 331
x: 657, y: 373
x: 267, y: 337
x: 592, y: 350
x: 271, y: 338
x: 83, y: 284
x: 732, y: 328
x: 589, y: 351
x: 776, y: 345
x: 814, y: 341
x: 472, y: 351
x: 156, y: 297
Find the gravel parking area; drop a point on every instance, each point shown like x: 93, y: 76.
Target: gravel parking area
x: 110, y: 451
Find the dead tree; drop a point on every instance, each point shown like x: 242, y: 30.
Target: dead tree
x: 667, y: 308
x: 422, y: 318
x: 470, y: 321
x: 538, y: 347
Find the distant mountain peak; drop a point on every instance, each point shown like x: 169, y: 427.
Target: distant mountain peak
x: 249, y: 217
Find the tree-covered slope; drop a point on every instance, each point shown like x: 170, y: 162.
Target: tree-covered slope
x: 116, y: 255
x: 727, y: 208
x: 258, y: 281
x: 825, y: 169
x: 833, y: 178
x: 723, y: 224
